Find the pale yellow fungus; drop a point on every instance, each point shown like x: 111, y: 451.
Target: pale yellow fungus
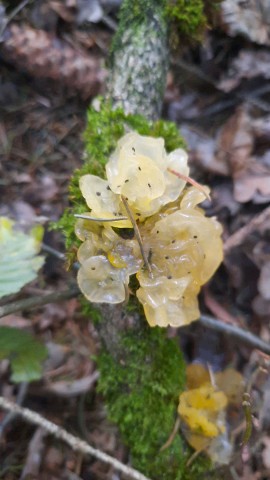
x: 138, y: 170
x: 174, y: 249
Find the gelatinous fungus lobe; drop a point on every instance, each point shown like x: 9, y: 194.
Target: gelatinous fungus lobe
x: 180, y: 247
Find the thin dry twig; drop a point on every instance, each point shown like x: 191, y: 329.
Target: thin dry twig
x: 53, y: 251
x: 38, y: 301
x: 246, y: 337
x: 13, y: 14
x: 137, y: 234
x: 74, y: 442
x: 19, y: 400
x: 172, y: 435
x: 236, y: 238
x: 190, y: 181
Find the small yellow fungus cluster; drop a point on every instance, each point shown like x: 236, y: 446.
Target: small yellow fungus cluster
x: 202, y: 409
x: 143, y: 222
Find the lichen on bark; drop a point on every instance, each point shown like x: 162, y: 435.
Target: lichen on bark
x: 140, y: 64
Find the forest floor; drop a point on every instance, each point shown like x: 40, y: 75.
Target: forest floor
x: 218, y: 93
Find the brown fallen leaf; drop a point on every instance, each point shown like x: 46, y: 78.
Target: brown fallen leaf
x: 235, y: 141
x: 44, y: 55
x: 236, y: 145
x: 252, y: 183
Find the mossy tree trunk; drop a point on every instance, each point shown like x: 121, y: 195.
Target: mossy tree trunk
x: 141, y: 371
x: 139, y: 65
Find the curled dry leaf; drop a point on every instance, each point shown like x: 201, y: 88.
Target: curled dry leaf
x: 41, y: 54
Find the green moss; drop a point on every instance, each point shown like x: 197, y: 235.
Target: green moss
x: 105, y: 127
x: 187, y: 17
x: 90, y: 311
x: 142, y: 391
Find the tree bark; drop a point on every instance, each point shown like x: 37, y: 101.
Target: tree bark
x: 137, y: 83
x: 140, y: 65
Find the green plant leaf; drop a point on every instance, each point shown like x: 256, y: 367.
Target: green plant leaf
x: 24, y: 352
x: 19, y: 261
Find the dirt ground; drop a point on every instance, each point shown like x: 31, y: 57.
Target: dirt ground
x: 218, y: 93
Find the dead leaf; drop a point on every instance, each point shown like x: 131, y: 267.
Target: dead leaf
x: 248, y: 64
x: 63, y: 11
x: 251, y: 175
x: 202, y: 151
x: 235, y: 142
x: 35, y: 453
x: 252, y: 183
x: 89, y: 11
x: 264, y: 281
x: 73, y: 388
x: 261, y: 306
x: 15, y: 321
x: 249, y: 18
x: 266, y: 451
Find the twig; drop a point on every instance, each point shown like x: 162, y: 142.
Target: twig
x: 74, y: 442
x: 172, y: 435
x: 53, y: 251
x: 190, y: 181
x: 12, y: 15
x: 34, y: 455
x: 236, y: 238
x: 236, y: 332
x: 217, y: 310
x: 103, y: 220
x: 19, y: 400
x: 137, y: 234
x: 38, y: 301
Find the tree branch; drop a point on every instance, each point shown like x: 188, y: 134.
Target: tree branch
x: 34, y: 302
x: 238, y: 237
x: 236, y: 332
x: 74, y: 442
x: 140, y: 61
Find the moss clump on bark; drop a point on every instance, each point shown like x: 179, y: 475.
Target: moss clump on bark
x: 105, y: 126
x: 187, y: 18
x: 141, y: 391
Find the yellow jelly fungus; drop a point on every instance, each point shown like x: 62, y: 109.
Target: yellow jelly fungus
x: 138, y: 170
x: 202, y: 411
x: 204, y: 398
x: 116, y: 261
x: 197, y: 375
x: 186, y: 249
x: 198, y: 422
x: 164, y: 237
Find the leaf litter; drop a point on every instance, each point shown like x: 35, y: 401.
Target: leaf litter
x: 223, y: 112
